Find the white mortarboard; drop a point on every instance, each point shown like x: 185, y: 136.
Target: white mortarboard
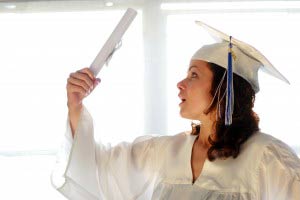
x: 246, y: 61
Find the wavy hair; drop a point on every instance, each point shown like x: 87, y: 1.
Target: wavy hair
x: 227, y: 140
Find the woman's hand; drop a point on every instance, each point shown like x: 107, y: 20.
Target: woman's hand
x: 80, y: 84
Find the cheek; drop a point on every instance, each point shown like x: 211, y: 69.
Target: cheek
x: 202, y: 96
x: 204, y: 99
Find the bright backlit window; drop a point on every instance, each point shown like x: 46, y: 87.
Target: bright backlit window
x: 38, y: 52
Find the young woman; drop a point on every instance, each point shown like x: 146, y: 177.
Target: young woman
x: 216, y: 160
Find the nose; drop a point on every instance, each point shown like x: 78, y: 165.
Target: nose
x: 181, y: 85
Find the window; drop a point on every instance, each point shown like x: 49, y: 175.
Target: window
x: 38, y: 52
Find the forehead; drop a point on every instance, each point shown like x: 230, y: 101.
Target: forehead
x: 200, y: 65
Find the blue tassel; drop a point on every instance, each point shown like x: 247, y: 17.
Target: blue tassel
x: 229, y: 94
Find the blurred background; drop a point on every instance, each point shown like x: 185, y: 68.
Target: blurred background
x: 42, y: 42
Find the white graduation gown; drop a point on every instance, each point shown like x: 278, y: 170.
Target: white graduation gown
x: 160, y: 168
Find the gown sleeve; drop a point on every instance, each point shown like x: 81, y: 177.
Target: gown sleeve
x: 279, y: 173
x: 89, y: 170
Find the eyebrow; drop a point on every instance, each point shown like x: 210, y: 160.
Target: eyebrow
x: 193, y: 66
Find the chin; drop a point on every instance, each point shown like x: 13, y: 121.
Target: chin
x: 186, y: 115
x: 189, y: 115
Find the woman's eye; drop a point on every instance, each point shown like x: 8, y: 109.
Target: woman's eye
x: 194, y: 75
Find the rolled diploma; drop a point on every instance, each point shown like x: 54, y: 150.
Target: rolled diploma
x: 112, y: 41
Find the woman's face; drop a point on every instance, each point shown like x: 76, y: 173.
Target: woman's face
x: 194, y: 90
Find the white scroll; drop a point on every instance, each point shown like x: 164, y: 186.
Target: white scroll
x: 113, y: 41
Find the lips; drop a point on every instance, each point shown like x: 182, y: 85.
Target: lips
x: 181, y: 98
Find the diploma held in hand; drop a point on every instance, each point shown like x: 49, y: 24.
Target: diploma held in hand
x: 113, y: 40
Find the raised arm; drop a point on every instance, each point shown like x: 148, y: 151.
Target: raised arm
x: 87, y: 169
x: 79, y: 85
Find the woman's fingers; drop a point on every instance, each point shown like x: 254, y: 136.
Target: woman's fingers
x: 79, y: 82
x: 75, y: 88
x: 88, y: 72
x: 82, y: 82
x: 83, y: 77
x: 96, y: 82
x: 79, y: 85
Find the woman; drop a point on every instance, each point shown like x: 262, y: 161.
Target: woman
x: 218, y: 159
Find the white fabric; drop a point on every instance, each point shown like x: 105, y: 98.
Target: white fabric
x: 159, y: 168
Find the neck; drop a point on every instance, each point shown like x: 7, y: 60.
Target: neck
x: 206, y: 130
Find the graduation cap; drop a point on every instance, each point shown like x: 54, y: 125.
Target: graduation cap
x: 237, y: 57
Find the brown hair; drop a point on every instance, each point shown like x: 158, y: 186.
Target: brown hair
x: 228, y: 139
